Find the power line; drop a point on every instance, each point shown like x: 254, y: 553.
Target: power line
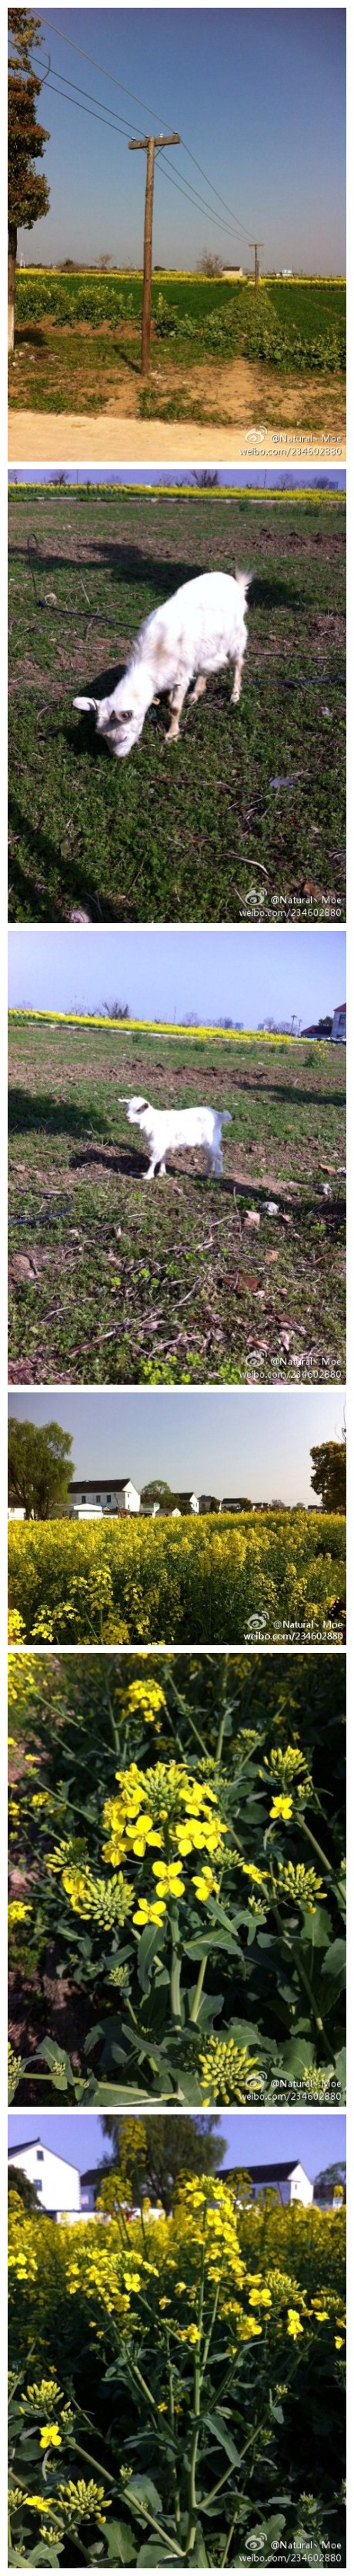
x: 121, y: 121
x: 149, y: 111
x: 194, y: 200
x: 85, y: 111
x: 117, y: 125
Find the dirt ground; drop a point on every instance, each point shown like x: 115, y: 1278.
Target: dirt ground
x: 216, y: 413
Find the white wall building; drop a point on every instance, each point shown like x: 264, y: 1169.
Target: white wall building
x: 288, y: 2181
x: 91, y: 1495
x: 56, y: 2180
x: 339, y: 1025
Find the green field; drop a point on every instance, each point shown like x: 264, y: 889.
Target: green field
x: 244, y: 817
x: 295, y: 332
x: 105, y: 1287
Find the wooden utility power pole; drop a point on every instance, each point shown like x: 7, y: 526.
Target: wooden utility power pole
x: 150, y: 144
x: 256, y: 246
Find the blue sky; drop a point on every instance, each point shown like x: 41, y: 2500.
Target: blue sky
x: 251, y: 974
x: 265, y: 478
x: 260, y: 102
x: 314, y: 2138
x: 237, y: 1441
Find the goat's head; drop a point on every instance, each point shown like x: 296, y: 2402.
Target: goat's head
x: 138, y: 1110
x: 119, y: 718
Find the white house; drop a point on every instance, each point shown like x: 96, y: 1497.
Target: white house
x: 16, y: 1512
x: 339, y: 1025
x: 90, y: 1495
x: 288, y: 2181
x: 56, y: 2180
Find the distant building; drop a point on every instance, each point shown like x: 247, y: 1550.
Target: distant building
x: 55, y: 2179
x: 289, y: 2181
x: 339, y: 1025
x: 93, y: 1496
x: 232, y: 273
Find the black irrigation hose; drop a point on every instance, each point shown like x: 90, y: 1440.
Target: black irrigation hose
x: 45, y: 1215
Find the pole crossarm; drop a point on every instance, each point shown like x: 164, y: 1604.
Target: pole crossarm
x: 159, y: 141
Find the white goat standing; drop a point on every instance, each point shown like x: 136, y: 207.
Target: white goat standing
x: 169, y: 1129
x: 195, y: 633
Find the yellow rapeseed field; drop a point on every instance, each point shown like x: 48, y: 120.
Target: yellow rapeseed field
x: 213, y: 1580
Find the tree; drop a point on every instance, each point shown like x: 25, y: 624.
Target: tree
x: 210, y: 264
x: 169, y: 2149
x: 26, y: 2191
x: 329, y: 1477
x: 157, y: 1492
x: 28, y: 196
x: 116, y: 1011
x: 40, y: 1467
x: 333, y: 2174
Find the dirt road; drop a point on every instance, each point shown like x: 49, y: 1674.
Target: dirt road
x: 80, y: 438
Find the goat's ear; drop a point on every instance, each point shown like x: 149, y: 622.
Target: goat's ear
x: 86, y: 706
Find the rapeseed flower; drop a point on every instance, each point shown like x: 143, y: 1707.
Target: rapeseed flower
x: 229, y: 2072
x: 50, y: 2433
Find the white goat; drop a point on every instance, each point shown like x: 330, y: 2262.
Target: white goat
x: 195, y: 633
x: 168, y: 1129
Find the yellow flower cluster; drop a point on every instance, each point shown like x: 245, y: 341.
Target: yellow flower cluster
x: 168, y: 1811
x: 301, y: 1884
x: 106, y: 1901
x: 145, y: 1699
x: 17, y: 1912
x: 22, y: 1677
x: 228, y: 2072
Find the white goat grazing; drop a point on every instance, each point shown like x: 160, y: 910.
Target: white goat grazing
x: 168, y: 1129
x: 195, y: 633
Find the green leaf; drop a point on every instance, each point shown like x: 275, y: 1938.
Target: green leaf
x: 334, y: 1964
x: 120, y: 2543
x: 297, y: 2054
x: 341, y: 2066
x: 217, y: 2426
x: 150, y: 1941
x: 154, y: 2551
x: 142, y: 2491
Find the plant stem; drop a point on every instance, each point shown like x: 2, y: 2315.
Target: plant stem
x: 220, y: 1741
x: 198, y: 1991
x: 305, y: 1982
x: 93, y: 2464
x: 198, y: 2382
x: 175, y: 1974
x: 311, y: 1838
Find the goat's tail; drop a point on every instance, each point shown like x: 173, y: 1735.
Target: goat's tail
x: 243, y: 579
x: 225, y: 1118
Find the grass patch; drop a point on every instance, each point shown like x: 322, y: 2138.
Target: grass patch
x: 107, y: 1288
x: 202, y: 831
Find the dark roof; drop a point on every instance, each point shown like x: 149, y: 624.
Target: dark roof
x: 270, y: 2173
x: 20, y: 2149
x: 90, y: 1484
x: 38, y: 2142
